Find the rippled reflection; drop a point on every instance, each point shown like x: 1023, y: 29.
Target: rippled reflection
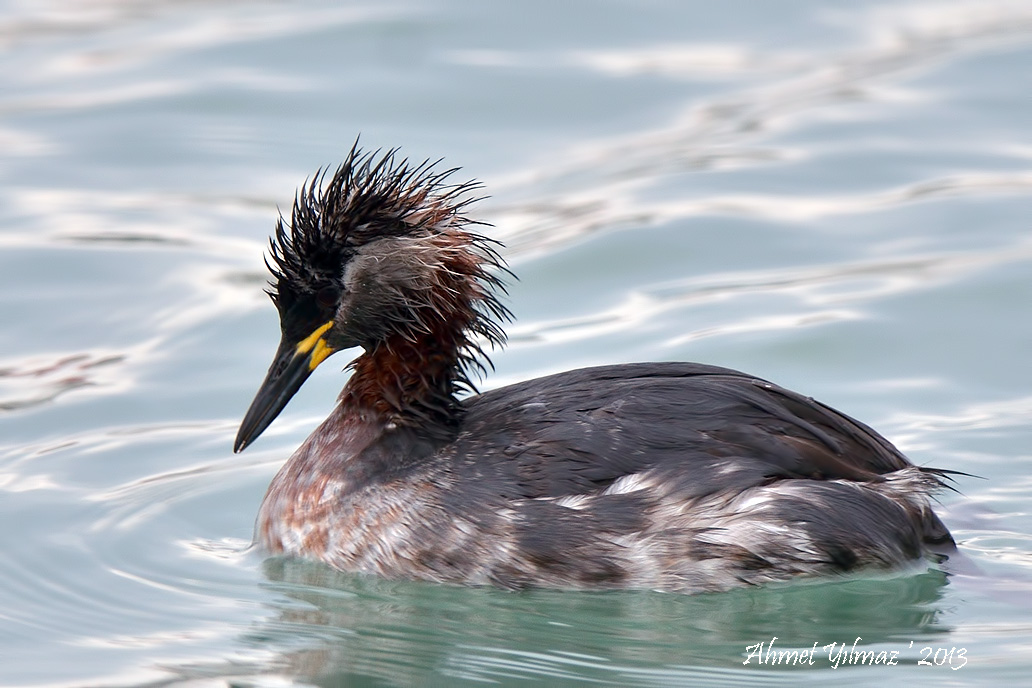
x: 357, y: 627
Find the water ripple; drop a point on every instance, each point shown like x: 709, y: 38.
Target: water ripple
x: 29, y: 382
x: 128, y: 561
x: 815, y: 288
x: 600, y: 185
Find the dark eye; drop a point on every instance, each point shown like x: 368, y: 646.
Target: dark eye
x: 327, y: 297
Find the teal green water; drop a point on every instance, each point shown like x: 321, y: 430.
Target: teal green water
x: 836, y: 197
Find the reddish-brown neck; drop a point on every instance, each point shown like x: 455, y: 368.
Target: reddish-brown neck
x: 411, y: 382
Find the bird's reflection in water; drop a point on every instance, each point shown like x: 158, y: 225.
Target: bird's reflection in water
x: 341, y: 629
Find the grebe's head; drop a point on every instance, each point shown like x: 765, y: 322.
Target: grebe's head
x: 379, y: 255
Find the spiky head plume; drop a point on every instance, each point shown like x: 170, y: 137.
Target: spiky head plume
x: 384, y: 249
x: 372, y: 195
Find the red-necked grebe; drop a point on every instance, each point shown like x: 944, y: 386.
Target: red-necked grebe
x: 671, y: 476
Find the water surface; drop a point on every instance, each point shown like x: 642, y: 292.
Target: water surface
x: 832, y: 196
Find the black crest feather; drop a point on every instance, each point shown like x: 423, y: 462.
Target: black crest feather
x: 375, y: 195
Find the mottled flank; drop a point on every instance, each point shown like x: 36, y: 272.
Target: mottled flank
x: 673, y: 476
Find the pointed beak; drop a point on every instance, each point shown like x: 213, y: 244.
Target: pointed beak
x: 289, y: 370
